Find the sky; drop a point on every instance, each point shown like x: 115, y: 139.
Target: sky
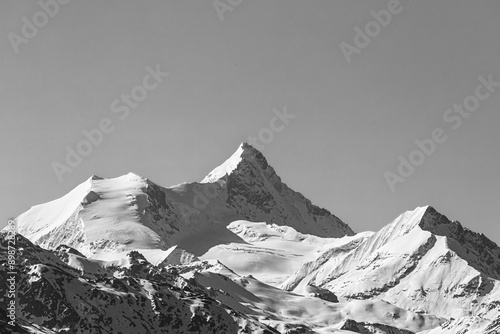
x: 357, y: 102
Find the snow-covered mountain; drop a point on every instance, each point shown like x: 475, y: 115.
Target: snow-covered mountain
x: 241, y: 252
x: 131, y: 212
x: 257, y: 193
x: 130, y: 297
x: 421, y: 262
x: 57, y: 294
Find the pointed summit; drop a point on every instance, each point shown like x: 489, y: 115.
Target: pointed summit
x: 95, y: 177
x: 245, y: 152
x: 256, y: 192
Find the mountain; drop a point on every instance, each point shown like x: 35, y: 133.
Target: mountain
x: 102, y: 216
x: 134, y: 296
x: 257, y: 193
x: 241, y: 252
x: 421, y: 262
x: 56, y: 294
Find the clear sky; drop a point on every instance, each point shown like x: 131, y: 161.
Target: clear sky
x: 352, y: 119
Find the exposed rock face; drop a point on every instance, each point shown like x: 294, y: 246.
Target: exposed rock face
x: 314, y: 291
x: 257, y: 193
x: 368, y: 328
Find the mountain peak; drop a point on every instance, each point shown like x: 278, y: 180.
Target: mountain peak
x: 249, y: 149
x: 432, y: 219
x: 132, y: 175
x: 480, y: 252
x: 254, y: 190
x: 94, y: 177
x: 421, y: 216
x: 245, y: 152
